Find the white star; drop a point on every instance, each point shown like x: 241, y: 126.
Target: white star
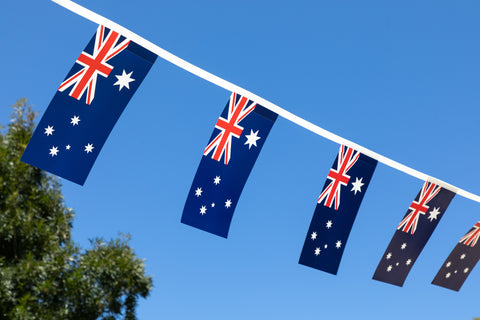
x: 88, y: 148
x: 123, y: 80
x: 252, y: 139
x: 463, y: 256
x: 49, y: 130
x: 433, y: 214
x: 357, y: 185
x: 455, y: 271
x: 228, y: 203
x: 449, y: 263
x: 329, y: 224
x: 389, y: 255
x: 67, y: 147
x: 338, y: 244
x: 448, y: 275
x: 203, y: 210
x: 404, y: 245
x: 213, y: 204
x: 75, y: 120
x: 217, y: 180
x: 325, y: 246
x: 317, y: 251
x: 409, y: 261
x: 466, y: 270
x: 313, y: 236
x: 389, y: 268
x: 198, y: 192
x: 53, y: 151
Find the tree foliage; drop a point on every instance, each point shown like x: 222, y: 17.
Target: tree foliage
x: 43, y: 273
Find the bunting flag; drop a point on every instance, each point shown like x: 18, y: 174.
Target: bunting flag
x: 336, y: 210
x: 87, y: 105
x: 413, y: 233
x: 460, y: 262
x: 237, y: 139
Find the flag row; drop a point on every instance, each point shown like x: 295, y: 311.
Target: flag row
x: 97, y: 89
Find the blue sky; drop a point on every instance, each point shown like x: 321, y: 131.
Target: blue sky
x: 398, y: 78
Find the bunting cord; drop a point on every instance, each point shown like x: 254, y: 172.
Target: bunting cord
x: 94, y: 17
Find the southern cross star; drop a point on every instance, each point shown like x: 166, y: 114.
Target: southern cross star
x: 75, y: 120
x: 49, y: 130
x: 53, y: 151
x: 89, y: 148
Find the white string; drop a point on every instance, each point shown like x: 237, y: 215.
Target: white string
x: 94, y: 17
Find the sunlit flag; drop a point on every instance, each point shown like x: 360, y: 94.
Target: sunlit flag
x: 337, y: 207
x: 87, y: 105
x: 237, y: 139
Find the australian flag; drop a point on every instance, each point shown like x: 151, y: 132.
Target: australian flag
x: 413, y: 233
x: 237, y: 139
x: 336, y: 210
x: 87, y: 105
x: 460, y: 262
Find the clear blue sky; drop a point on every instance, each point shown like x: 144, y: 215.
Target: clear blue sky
x: 401, y: 79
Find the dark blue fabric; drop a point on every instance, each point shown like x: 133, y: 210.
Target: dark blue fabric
x: 405, y: 247
x: 96, y: 119
x: 220, y: 199
x: 458, y: 265
x: 330, y: 228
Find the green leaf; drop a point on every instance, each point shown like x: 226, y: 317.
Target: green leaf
x: 43, y: 273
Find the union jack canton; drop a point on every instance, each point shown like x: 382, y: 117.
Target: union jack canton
x: 471, y: 238
x: 339, y: 176
x: 222, y: 143
x: 105, y: 48
x: 419, y: 207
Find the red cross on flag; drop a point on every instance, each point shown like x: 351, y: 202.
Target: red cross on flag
x: 410, y: 222
x: 471, y: 238
x: 95, y: 64
x: 339, y: 176
x: 222, y: 144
